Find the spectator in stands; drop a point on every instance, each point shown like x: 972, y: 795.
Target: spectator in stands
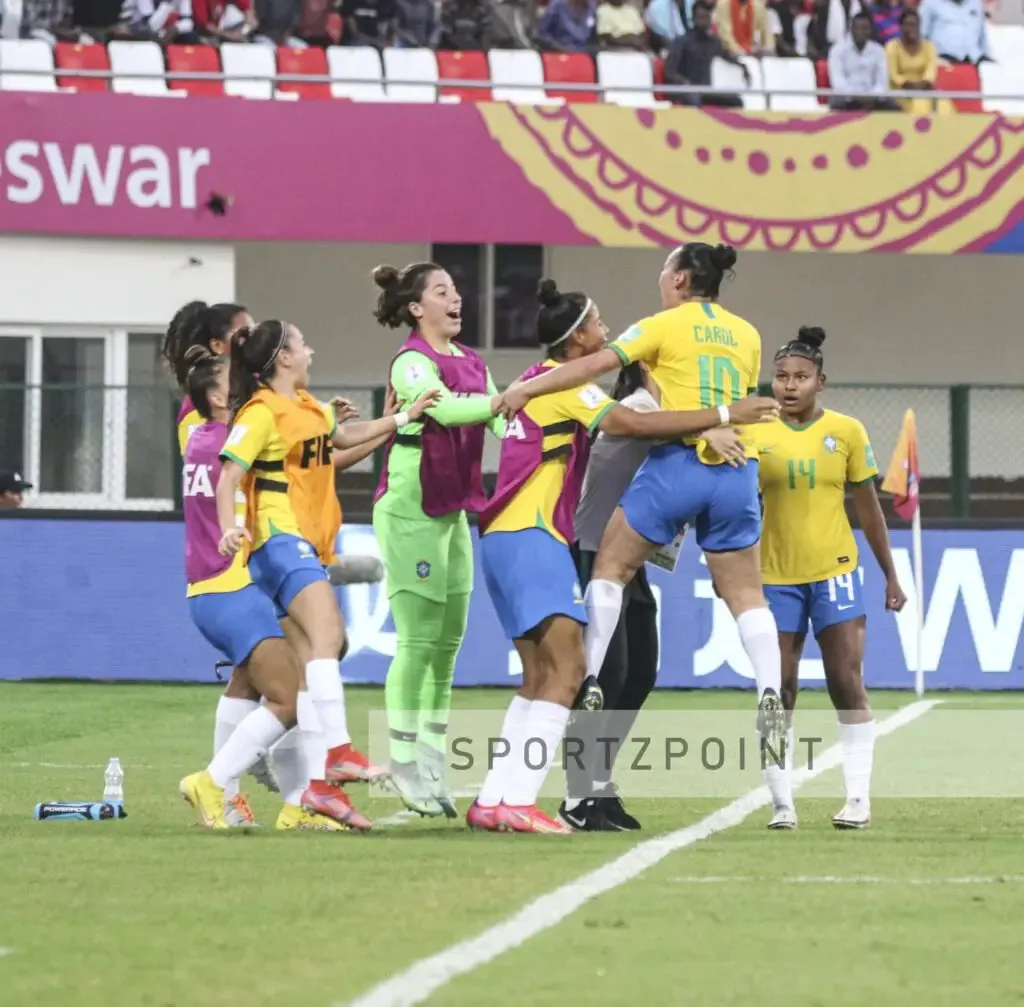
x: 278, y: 22
x: 831, y: 21
x: 320, y: 23
x: 913, y: 64
x: 568, y: 26
x: 781, y: 23
x: 466, y: 25
x: 98, y: 19
x: 49, y: 20
x: 12, y: 488
x: 957, y: 27
x: 689, y: 62
x: 667, y: 20
x: 743, y: 27
x: 858, y: 66
x: 886, y: 16
x: 226, y: 22
x: 620, y: 26
x: 368, y: 22
x: 416, y: 24
x: 160, y: 20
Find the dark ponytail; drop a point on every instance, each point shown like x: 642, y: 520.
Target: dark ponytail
x: 202, y: 377
x: 254, y: 353
x: 195, y: 324
x: 630, y: 379
x: 707, y: 265
x: 559, y: 316
x: 399, y: 289
x: 807, y: 344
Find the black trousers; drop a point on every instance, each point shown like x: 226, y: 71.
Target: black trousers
x: 626, y: 678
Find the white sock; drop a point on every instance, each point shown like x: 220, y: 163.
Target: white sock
x: 858, y: 744
x: 290, y: 766
x: 779, y: 778
x: 311, y: 737
x: 323, y: 679
x: 545, y: 728
x: 512, y: 730
x: 230, y: 713
x: 760, y: 638
x: 603, y: 603
x: 251, y: 739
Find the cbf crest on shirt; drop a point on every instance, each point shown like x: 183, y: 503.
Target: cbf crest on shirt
x: 804, y: 471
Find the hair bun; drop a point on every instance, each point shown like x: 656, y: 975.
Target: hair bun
x: 811, y: 335
x: 197, y: 355
x: 548, y: 293
x: 723, y: 257
x: 386, y: 277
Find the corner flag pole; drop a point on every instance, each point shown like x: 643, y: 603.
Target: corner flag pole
x: 903, y: 480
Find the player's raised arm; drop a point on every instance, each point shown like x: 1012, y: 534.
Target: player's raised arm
x: 350, y: 435
x: 571, y: 374
x: 667, y: 424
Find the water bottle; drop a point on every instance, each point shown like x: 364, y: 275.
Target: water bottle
x: 113, y: 790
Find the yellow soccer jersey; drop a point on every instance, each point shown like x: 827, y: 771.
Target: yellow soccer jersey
x: 189, y: 422
x: 804, y: 471
x: 700, y: 355
x: 257, y: 444
x: 533, y: 505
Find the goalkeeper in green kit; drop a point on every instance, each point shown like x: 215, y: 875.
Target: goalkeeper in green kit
x: 431, y: 478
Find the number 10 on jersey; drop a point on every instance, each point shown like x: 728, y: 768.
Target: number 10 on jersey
x: 713, y: 373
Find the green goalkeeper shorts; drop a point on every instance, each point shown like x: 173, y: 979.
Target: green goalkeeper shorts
x: 431, y: 557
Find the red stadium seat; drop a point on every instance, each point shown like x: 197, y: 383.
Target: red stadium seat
x: 464, y: 66
x: 659, y: 78
x: 821, y: 73
x: 961, y: 77
x: 311, y: 62
x: 569, y: 68
x: 195, y: 59
x: 73, y: 56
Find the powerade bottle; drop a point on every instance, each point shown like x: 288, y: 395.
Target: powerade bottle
x: 113, y: 779
x: 77, y: 811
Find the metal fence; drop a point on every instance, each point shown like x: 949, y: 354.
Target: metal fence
x: 115, y: 448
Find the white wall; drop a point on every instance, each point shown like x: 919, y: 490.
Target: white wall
x: 892, y: 319
x: 63, y: 281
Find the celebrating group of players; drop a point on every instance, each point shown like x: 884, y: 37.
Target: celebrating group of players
x: 589, y: 488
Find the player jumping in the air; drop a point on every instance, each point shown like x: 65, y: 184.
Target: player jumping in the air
x: 809, y: 560
x: 700, y: 355
x: 525, y: 534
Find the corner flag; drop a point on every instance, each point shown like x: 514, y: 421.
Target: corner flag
x: 903, y: 478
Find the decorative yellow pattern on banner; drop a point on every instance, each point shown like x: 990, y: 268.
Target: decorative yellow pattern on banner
x: 829, y: 182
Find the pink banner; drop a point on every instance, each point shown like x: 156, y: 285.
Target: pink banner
x: 123, y: 166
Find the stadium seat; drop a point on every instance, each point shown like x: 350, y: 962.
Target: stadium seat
x: 519, y: 66
x: 75, y: 56
x: 413, y: 65
x: 464, y: 66
x: 1002, y: 79
x: 961, y: 77
x: 1006, y: 43
x: 569, y: 68
x: 139, y: 69
x: 790, y: 75
x: 195, y: 59
x: 821, y: 78
x: 243, y: 60
x: 26, y: 54
x: 659, y: 78
x: 356, y: 73
x: 729, y: 76
x: 310, y: 62
x: 616, y: 70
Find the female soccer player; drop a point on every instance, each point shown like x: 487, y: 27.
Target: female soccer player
x: 631, y: 665
x: 431, y: 478
x: 280, y: 445
x: 525, y: 533
x: 809, y: 558
x: 699, y: 355
x: 235, y: 617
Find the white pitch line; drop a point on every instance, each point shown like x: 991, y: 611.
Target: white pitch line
x: 424, y: 978
x: 867, y: 879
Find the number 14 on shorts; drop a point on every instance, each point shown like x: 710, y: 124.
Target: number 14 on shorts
x: 842, y: 591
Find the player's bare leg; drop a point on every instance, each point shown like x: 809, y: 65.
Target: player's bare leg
x: 791, y: 647
x: 842, y: 651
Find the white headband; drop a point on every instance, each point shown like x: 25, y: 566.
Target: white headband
x: 575, y: 325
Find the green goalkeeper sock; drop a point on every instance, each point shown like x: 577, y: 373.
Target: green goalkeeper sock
x: 436, y: 695
x: 418, y: 625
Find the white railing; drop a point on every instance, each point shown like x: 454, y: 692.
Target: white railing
x: 459, y: 83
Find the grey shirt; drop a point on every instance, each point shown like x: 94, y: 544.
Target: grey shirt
x: 613, y: 463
